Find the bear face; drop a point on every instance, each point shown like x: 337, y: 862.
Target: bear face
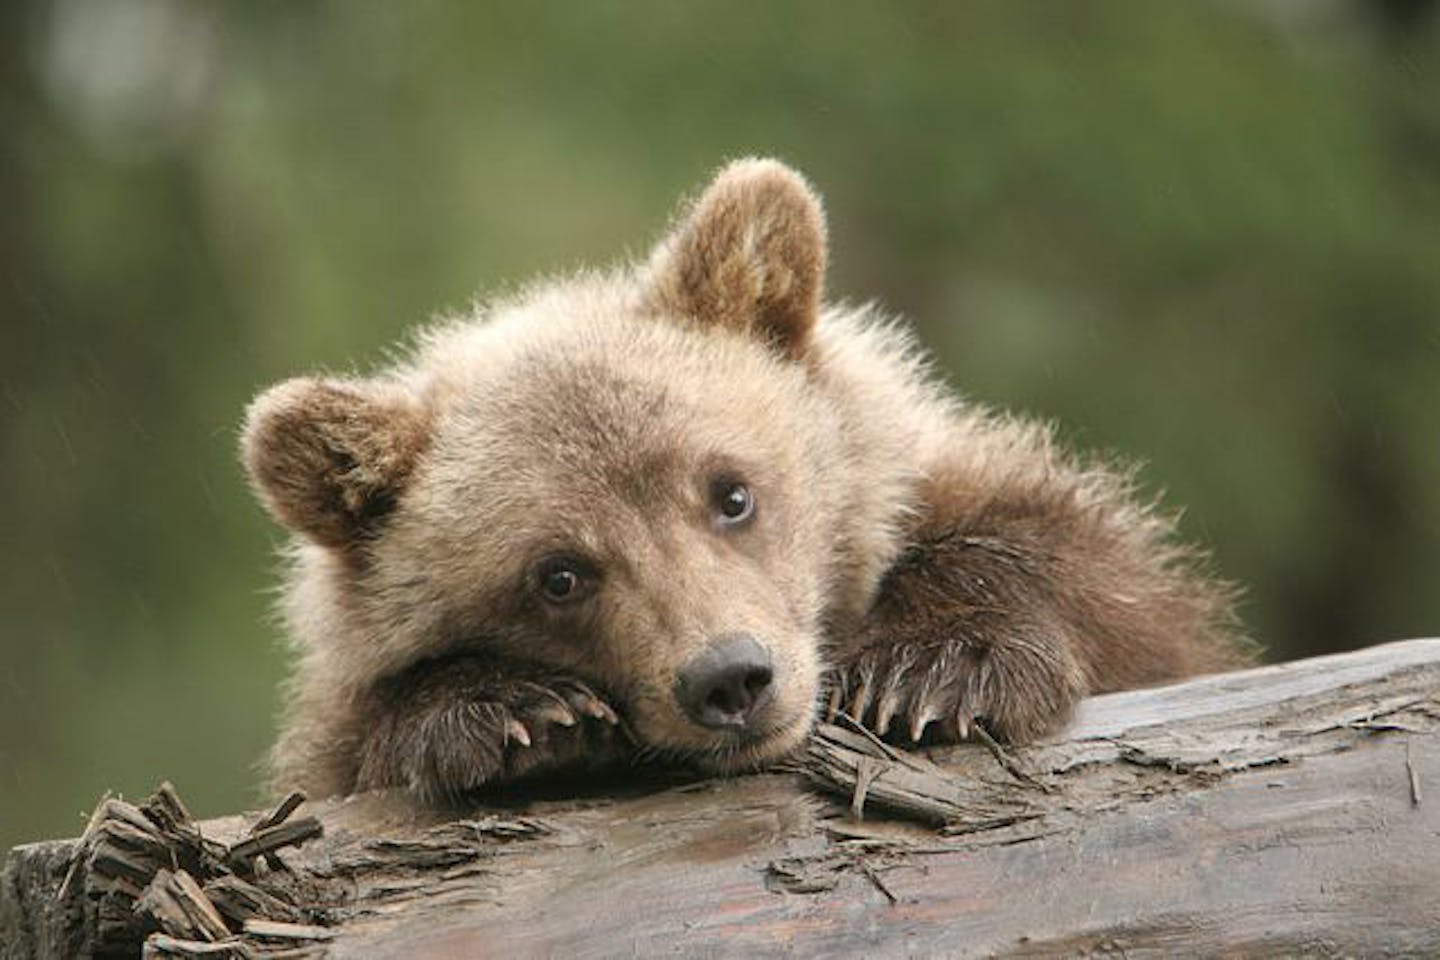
x: 574, y: 509
x: 615, y: 477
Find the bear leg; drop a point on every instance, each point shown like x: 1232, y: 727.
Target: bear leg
x: 961, y: 634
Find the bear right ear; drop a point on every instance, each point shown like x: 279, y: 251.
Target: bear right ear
x: 327, y: 458
x: 748, y: 255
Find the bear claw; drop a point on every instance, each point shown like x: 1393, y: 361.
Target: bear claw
x: 555, y: 713
x: 583, y: 700
x: 516, y: 732
x: 896, y: 702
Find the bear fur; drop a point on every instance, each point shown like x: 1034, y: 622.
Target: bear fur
x: 514, y: 547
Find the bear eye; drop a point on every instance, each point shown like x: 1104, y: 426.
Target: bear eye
x: 563, y: 579
x: 733, y: 501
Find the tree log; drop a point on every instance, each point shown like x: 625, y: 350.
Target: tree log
x: 1277, y: 811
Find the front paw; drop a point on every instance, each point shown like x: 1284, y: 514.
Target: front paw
x: 447, y: 731
x: 555, y: 724
x: 939, y: 690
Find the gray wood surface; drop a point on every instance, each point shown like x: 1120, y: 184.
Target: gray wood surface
x: 1287, y: 810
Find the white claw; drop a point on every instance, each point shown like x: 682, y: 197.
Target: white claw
x: 861, y: 702
x: 885, y: 712
x: 962, y: 724
x: 580, y: 699
x: 515, y: 730
x: 921, y: 720
x: 557, y: 713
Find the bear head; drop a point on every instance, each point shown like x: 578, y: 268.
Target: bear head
x: 640, y: 478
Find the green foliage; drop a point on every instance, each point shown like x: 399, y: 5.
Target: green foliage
x: 1202, y: 235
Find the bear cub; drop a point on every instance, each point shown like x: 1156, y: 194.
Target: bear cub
x: 679, y: 510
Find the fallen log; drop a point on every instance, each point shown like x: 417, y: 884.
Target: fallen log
x: 1277, y: 811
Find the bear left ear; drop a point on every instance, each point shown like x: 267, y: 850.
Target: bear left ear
x: 329, y: 457
x: 749, y: 255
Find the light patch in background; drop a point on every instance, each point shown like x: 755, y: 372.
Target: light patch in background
x: 132, y: 76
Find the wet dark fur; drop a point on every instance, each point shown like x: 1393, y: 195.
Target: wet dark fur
x: 1010, y: 603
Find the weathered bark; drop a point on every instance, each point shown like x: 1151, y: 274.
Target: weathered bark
x: 1278, y: 811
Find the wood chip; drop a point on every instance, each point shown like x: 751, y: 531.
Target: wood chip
x: 166, y: 810
x: 180, y: 908
x: 1007, y: 761
x: 800, y: 875
x: 1414, y: 777
x: 281, y: 813
x: 286, y: 834
x: 868, y: 734
x: 162, y: 945
x: 240, y: 900
x: 275, y: 817
x: 910, y: 786
x: 275, y: 930
x: 866, y: 770
x: 874, y: 878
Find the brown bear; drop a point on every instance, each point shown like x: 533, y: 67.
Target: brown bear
x: 679, y: 510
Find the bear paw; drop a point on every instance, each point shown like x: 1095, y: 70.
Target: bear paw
x: 939, y: 692
x: 463, y: 726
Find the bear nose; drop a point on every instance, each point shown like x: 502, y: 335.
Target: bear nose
x: 727, y: 684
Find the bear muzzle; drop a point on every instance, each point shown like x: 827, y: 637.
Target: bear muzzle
x: 729, y: 686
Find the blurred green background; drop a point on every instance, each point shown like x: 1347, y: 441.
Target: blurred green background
x: 1205, y: 234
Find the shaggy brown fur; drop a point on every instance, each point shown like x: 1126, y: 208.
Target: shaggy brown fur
x: 519, y: 549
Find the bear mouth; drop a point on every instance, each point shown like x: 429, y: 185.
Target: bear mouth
x: 749, y: 750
